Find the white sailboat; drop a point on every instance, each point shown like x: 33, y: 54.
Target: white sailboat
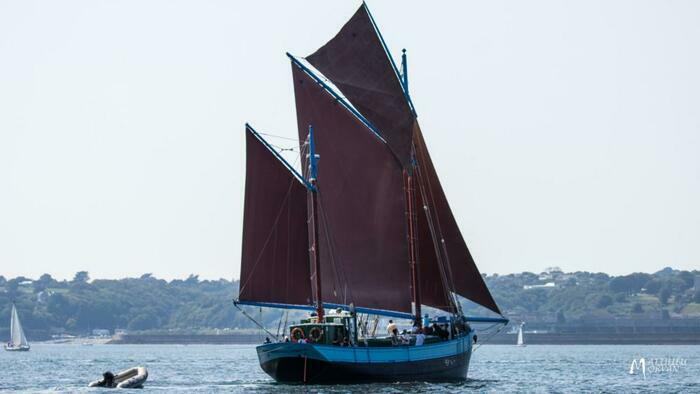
x: 520, y: 335
x: 18, y: 341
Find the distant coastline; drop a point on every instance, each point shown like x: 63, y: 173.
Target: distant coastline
x: 574, y: 307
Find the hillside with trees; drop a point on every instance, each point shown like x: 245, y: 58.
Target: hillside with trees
x: 555, y: 295
x: 78, y: 306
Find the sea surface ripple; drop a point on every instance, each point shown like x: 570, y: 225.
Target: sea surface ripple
x: 235, y: 369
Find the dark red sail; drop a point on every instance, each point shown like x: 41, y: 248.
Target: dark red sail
x: 362, y: 233
x: 462, y: 270
x: 434, y: 290
x: 275, y: 256
x: 356, y: 62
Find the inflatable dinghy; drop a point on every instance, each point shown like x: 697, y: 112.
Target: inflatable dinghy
x: 132, y: 378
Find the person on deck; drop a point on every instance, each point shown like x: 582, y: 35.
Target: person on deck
x: 391, y: 328
x: 420, y: 338
x: 405, y: 338
x: 440, y: 332
x: 393, y: 332
x: 426, y: 320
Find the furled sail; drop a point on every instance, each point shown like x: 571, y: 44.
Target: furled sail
x: 357, y: 63
x: 17, y: 337
x: 275, y: 256
x: 362, y: 233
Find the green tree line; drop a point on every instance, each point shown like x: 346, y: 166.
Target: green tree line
x: 80, y: 305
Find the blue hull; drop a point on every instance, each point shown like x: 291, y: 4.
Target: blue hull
x: 307, y: 363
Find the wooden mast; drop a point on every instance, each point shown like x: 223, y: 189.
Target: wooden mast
x: 412, y: 255
x: 409, y: 186
x: 313, y: 240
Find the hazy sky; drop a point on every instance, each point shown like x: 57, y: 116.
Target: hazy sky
x: 565, y: 133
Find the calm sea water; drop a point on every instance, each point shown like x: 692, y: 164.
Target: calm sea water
x: 234, y: 368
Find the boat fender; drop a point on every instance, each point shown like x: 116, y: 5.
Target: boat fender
x: 316, y: 334
x: 297, y: 333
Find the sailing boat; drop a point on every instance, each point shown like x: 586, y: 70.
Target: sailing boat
x: 18, y: 342
x: 520, y: 335
x: 364, y: 231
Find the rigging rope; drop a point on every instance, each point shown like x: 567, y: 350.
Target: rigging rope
x: 490, y: 336
x: 448, y: 285
x: 340, y: 276
x: 280, y: 322
x: 279, y: 136
x: 253, y: 320
x: 439, y: 229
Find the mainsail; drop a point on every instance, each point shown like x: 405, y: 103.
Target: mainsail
x: 275, y: 256
x: 17, y: 337
x: 362, y: 237
x: 356, y: 61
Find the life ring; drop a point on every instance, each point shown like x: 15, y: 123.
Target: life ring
x: 316, y: 334
x: 297, y: 333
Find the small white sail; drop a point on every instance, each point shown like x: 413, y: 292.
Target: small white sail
x: 17, y: 338
x: 520, y: 335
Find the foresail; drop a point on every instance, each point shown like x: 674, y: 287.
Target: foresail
x: 362, y: 233
x: 435, y: 291
x: 275, y: 257
x: 462, y: 274
x: 356, y: 61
